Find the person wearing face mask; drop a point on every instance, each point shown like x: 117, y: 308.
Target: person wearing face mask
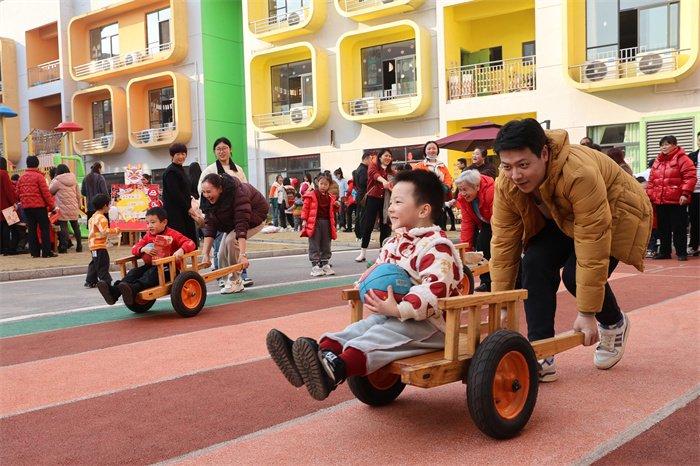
x: 565, y: 206
x: 475, y: 200
x: 481, y: 163
x: 432, y: 164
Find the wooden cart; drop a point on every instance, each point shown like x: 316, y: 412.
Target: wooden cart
x: 187, y: 289
x: 483, y: 349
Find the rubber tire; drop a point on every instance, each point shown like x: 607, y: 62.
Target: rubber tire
x: 140, y: 308
x: 470, y: 276
x: 176, y: 294
x: 366, y: 392
x: 480, y: 377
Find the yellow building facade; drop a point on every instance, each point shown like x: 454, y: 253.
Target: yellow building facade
x: 404, y: 72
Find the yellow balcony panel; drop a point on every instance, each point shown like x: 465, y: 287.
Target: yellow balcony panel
x: 410, y: 99
x: 311, y: 111
x: 364, y: 10
x: 9, y: 127
x: 144, y: 100
x: 110, y: 137
x: 130, y: 44
x: 297, y: 20
x: 629, y: 67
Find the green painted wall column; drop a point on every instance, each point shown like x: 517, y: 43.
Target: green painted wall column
x: 224, y: 77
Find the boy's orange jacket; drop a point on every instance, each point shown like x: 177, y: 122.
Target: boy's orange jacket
x: 179, y: 241
x: 98, y: 229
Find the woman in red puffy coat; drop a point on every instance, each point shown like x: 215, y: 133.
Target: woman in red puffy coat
x: 318, y: 224
x: 671, y: 183
x: 475, y: 200
x: 33, y: 191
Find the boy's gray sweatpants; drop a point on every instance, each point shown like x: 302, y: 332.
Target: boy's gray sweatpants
x: 385, y: 339
x: 320, y: 243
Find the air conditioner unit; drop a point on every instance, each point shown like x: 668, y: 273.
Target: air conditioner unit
x: 387, y: 1
x: 293, y: 18
x: 653, y: 62
x: 104, y: 141
x: 132, y: 57
x: 598, y: 70
x: 364, y: 106
x: 144, y: 136
x: 299, y: 114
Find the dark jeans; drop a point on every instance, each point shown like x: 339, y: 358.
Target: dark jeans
x: 483, y: 244
x: 63, y: 235
x: 374, y: 209
x: 546, y: 254
x: 451, y: 215
x: 7, y: 245
x: 359, y: 219
x: 282, y: 216
x: 38, y: 217
x: 672, y: 220
x: 341, y: 215
x: 98, y: 269
x: 349, y: 211
x: 694, y: 214
x: 141, y: 278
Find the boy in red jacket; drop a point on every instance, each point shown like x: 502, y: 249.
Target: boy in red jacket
x: 146, y: 276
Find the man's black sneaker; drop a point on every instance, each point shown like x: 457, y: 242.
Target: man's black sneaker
x: 317, y: 381
x: 484, y: 287
x: 334, y: 366
x: 247, y: 282
x: 280, y: 348
x: 662, y: 256
x: 89, y: 285
x: 682, y: 258
x: 127, y: 293
x: 109, y: 293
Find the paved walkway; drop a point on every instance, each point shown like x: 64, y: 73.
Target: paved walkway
x: 103, y: 388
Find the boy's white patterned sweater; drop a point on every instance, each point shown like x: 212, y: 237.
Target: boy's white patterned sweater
x: 435, y: 269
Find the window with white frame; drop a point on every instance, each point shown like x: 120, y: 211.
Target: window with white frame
x: 160, y: 107
x: 101, y: 118
x: 292, y: 86
x: 157, y: 29
x: 104, y: 42
x: 389, y: 70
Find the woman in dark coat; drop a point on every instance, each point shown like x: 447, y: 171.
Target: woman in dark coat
x: 177, y: 200
x: 239, y: 211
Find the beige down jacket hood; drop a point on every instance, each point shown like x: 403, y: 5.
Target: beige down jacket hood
x: 592, y: 200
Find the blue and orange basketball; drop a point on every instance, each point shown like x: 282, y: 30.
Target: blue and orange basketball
x: 380, y: 277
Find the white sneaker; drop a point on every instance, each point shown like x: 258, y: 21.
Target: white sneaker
x: 612, y: 344
x: 547, y: 370
x: 317, y: 271
x: 233, y: 286
x: 327, y: 270
x: 360, y: 258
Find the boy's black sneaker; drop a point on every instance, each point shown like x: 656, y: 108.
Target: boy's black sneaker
x: 109, y: 293
x: 484, y: 287
x: 127, y: 293
x: 334, y: 366
x: 279, y: 346
x: 306, y: 358
x: 88, y: 285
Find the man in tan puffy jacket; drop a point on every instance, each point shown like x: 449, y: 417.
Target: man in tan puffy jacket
x: 563, y: 206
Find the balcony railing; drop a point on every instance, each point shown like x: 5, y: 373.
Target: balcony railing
x: 281, y: 21
x: 44, y: 73
x: 97, y: 144
x: 42, y: 142
x: 120, y: 61
x: 626, y: 63
x: 294, y: 116
x: 354, y: 5
x: 494, y: 77
x: 159, y: 133
x: 0, y: 86
x: 373, y: 105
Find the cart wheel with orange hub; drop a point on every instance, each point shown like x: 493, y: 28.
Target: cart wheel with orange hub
x: 502, y: 384
x: 188, y: 294
x: 376, y: 389
x: 139, y: 306
x: 466, y: 285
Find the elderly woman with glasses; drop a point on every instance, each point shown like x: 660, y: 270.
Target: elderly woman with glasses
x: 475, y: 200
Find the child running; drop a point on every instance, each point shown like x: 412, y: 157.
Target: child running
x: 146, y: 276
x: 98, y: 231
x: 392, y: 331
x: 318, y: 224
